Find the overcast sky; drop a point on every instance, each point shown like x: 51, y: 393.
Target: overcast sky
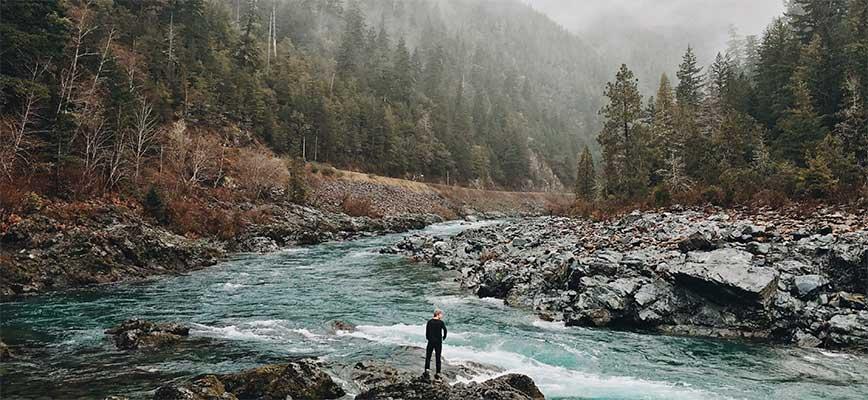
x: 711, y: 16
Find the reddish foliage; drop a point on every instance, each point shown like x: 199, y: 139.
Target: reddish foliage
x: 359, y: 207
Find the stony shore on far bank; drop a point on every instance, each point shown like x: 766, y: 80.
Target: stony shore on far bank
x: 57, y: 245
x: 58, y: 248
x: 760, y: 275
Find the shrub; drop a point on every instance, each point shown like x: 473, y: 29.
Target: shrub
x: 328, y: 170
x: 661, y: 195
x: 154, y: 205
x: 358, y: 207
x: 444, y: 212
x: 817, y: 181
x: 191, y: 216
x: 297, y: 188
x: 769, y: 198
x: 11, y: 200
x: 259, y: 172
x: 558, y: 206
x: 714, y: 195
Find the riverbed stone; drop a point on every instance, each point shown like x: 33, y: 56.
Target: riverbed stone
x: 140, y: 334
x: 744, y: 273
x: 303, y: 379
x: 726, y: 275
x: 806, y: 285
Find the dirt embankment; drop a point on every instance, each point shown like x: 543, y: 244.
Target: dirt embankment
x: 341, y: 190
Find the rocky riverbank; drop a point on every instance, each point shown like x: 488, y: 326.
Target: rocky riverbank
x: 312, y: 379
x: 66, y: 245
x: 770, y: 276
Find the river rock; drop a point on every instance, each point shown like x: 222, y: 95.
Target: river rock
x: 806, y: 285
x: 304, y: 379
x: 726, y: 275
x: 696, y: 241
x: 140, y: 334
x: 338, y: 325
x: 848, y: 331
x: 5, y: 354
x: 701, y: 272
x: 507, y: 387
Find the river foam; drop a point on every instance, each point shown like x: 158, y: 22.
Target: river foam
x: 554, y: 381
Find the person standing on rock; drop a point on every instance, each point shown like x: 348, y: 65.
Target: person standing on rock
x: 435, y: 332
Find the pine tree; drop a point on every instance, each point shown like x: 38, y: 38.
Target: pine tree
x: 350, y: 55
x: 779, y: 54
x: 800, y: 128
x: 402, y: 73
x: 249, y: 55
x: 620, y: 138
x: 585, y: 176
x: 689, y: 91
x: 853, y: 128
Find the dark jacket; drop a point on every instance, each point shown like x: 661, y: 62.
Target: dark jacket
x: 432, y: 331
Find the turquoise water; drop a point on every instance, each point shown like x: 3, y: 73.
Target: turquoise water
x: 258, y: 309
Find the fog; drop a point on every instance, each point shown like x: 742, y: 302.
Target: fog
x: 651, y: 35
x: 711, y: 18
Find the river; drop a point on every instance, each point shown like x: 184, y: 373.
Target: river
x: 256, y: 309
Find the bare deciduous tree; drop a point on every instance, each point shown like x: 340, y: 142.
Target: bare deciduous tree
x: 193, y: 160
x: 16, y: 132
x: 144, y: 133
x: 115, y: 161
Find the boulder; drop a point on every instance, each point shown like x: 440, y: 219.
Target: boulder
x: 726, y: 276
x: 207, y: 387
x: 5, y: 354
x: 696, y: 241
x: 338, y: 325
x: 848, y: 264
x: 140, y: 334
x: 302, y: 379
x: 507, y: 387
x: 807, y: 285
x: 496, y: 281
x: 848, y: 331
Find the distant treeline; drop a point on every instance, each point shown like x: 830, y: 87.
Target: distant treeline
x: 770, y: 120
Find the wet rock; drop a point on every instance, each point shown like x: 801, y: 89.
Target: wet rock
x: 496, y: 281
x: 338, y: 325
x: 726, y: 275
x: 304, y: 379
x: 745, y: 274
x: 139, y: 334
x: 5, y: 353
x: 207, y: 387
x: 848, y: 331
x: 807, y: 285
x: 508, y: 387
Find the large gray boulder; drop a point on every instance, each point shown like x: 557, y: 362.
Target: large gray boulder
x: 726, y: 276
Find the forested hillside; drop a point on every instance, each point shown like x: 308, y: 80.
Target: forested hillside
x: 100, y: 92
x: 103, y: 97
x: 784, y: 118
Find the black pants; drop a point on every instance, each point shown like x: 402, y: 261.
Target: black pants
x: 436, y: 347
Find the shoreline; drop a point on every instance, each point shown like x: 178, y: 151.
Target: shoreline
x: 757, y: 276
